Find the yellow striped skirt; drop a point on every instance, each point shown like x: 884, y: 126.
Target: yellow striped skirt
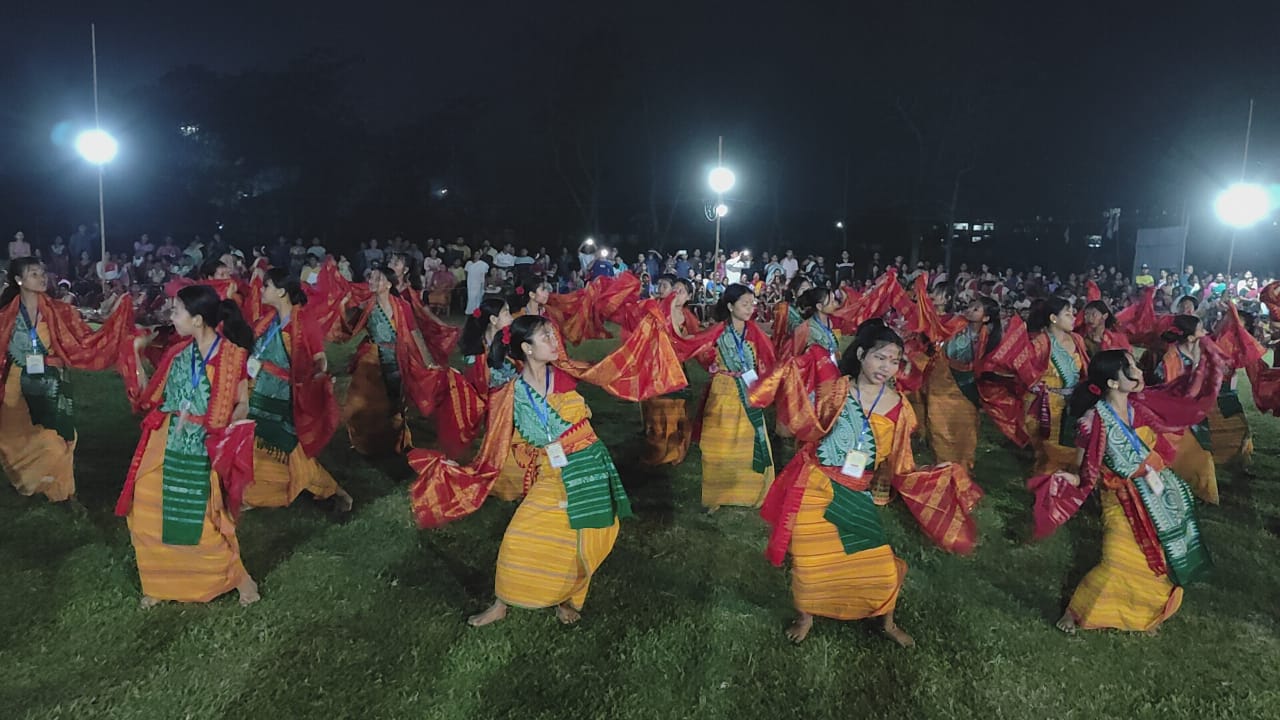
x: 542, y: 561
x: 1122, y: 592
x: 374, y: 426
x: 186, y: 573
x: 726, y: 443
x: 36, y: 459
x: 667, y: 431
x: 278, y: 484
x: 827, y: 582
x: 952, y: 419
x: 510, y: 483
x: 1195, y: 465
x: 1230, y: 436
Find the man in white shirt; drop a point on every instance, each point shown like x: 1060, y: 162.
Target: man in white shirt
x: 476, y: 269
x: 790, y: 266
x: 505, y: 260
x: 734, y: 266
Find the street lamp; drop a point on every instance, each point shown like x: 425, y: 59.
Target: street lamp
x: 98, y: 148
x: 1240, y: 207
x: 721, y: 181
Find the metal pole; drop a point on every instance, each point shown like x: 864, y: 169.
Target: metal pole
x: 102, y: 211
x: 1244, y: 171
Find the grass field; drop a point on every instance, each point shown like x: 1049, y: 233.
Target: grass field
x: 365, y: 618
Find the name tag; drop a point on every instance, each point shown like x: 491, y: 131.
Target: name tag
x: 35, y: 364
x: 254, y: 365
x: 1155, y: 482
x: 834, y: 360
x: 555, y: 453
x: 749, y: 377
x: 855, y: 464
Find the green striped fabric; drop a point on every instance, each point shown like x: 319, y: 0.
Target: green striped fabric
x: 594, y: 489
x: 856, y: 519
x: 185, y: 496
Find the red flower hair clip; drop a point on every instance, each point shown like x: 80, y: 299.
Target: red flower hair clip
x: 1095, y: 390
x: 520, y: 290
x: 506, y: 335
x: 476, y: 313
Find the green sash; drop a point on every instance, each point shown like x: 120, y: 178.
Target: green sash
x: 761, y: 458
x: 591, y: 483
x: 271, y: 403
x: 49, y: 401
x: 856, y: 519
x: 1172, y: 512
x: 1229, y: 402
x: 184, y: 497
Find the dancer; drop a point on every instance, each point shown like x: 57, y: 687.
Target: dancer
x: 667, y: 429
x: 951, y: 390
x: 856, y: 435
x: 1100, y: 329
x: 1151, y: 544
x: 389, y: 371
x: 187, y: 477
x: 741, y: 353
x: 45, y: 339
x: 290, y: 401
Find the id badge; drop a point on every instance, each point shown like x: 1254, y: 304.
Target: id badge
x: 749, y: 377
x: 555, y: 453
x: 855, y: 464
x: 834, y: 360
x: 254, y: 366
x: 35, y: 364
x: 1155, y: 482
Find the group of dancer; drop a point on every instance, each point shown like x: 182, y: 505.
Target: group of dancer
x: 241, y: 402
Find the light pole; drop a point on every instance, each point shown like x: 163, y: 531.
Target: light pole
x: 99, y: 148
x: 1240, y: 207
x: 721, y: 181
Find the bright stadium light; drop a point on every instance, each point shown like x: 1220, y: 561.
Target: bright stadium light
x: 1243, y: 205
x: 839, y: 224
x: 97, y: 146
x: 722, y: 210
x: 721, y: 180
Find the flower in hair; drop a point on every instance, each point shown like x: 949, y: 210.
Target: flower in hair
x: 506, y: 335
x: 1094, y: 389
x: 475, y: 313
x: 520, y: 291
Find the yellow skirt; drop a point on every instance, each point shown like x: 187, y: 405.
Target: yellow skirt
x: 1122, y: 592
x: 277, y: 484
x: 667, y: 431
x: 374, y: 426
x: 827, y: 582
x: 186, y: 573
x: 1230, y: 436
x: 953, y: 419
x: 727, y: 442
x: 36, y: 459
x: 1195, y: 465
x: 542, y: 561
x: 510, y: 483
x: 1050, y: 456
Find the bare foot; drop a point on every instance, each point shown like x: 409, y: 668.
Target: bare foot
x: 496, y: 612
x: 799, y: 629
x: 712, y: 510
x: 1067, y: 623
x: 1154, y: 632
x: 149, y: 602
x: 342, y: 503
x: 567, y: 615
x: 248, y: 590
x: 897, y: 634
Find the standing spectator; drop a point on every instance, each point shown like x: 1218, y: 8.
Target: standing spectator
x: 476, y: 269
x: 59, y: 260
x: 505, y: 261
x: 167, y: 250
x: 586, y: 254
x: 279, y: 253
x: 344, y: 268
x: 372, y: 255
x: 317, y: 249
x: 81, y: 241
x: 297, y: 256
x: 790, y: 266
x: 142, y: 246
x: 844, y: 268
x: 734, y: 266
x: 19, y: 247
x: 1144, y: 278
x: 683, y: 267
x: 601, y: 267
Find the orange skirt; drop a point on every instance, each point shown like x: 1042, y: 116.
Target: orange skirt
x: 278, y: 484
x: 185, y: 573
x: 828, y: 582
x: 667, y: 431
x: 36, y: 459
x: 953, y: 418
x: 373, y: 424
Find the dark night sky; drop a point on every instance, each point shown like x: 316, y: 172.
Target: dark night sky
x: 1078, y: 106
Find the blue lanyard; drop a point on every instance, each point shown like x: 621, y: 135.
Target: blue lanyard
x: 739, y: 342
x: 276, y: 327
x: 543, y: 411
x: 195, y: 376
x: 31, y: 327
x: 866, y: 414
x: 830, y: 335
x: 1127, y: 428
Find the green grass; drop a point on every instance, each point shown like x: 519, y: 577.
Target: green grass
x: 365, y: 619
